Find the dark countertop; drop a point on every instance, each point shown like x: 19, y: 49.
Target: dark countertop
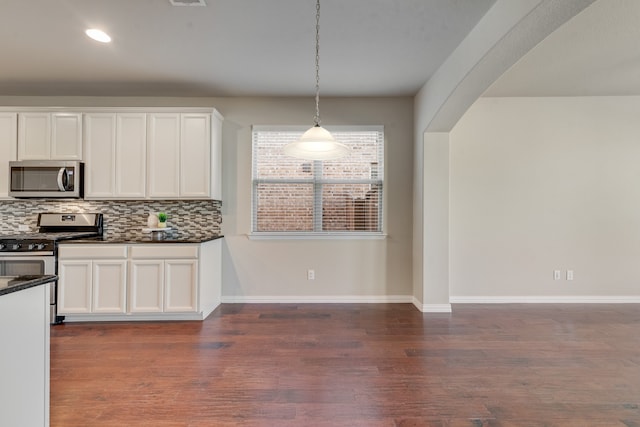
x: 154, y: 237
x: 9, y: 284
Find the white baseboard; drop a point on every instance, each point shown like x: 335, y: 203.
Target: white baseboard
x: 432, y: 308
x: 559, y: 299
x: 347, y: 299
x: 299, y: 299
x: 145, y: 317
x: 208, y: 310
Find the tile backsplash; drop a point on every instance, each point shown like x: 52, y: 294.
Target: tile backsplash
x: 121, y: 217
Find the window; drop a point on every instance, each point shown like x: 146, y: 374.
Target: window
x: 309, y: 197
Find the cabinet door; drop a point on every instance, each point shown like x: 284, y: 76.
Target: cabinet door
x: 109, y: 285
x: 216, y: 156
x: 146, y: 286
x: 74, y: 287
x: 34, y: 136
x: 100, y: 155
x: 8, y: 148
x: 66, y: 136
x: 181, y: 285
x: 195, y: 155
x: 164, y: 155
x: 131, y: 155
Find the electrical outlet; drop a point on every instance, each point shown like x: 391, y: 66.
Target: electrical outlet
x: 311, y: 275
x: 556, y: 274
x: 23, y: 227
x: 569, y: 274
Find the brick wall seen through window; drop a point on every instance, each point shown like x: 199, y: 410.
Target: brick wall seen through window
x: 323, y: 197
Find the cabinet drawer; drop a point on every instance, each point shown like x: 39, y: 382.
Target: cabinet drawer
x: 164, y: 251
x: 92, y: 251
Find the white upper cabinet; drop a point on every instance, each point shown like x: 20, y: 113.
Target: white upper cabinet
x: 34, y: 136
x: 66, y: 136
x: 8, y: 148
x: 115, y: 155
x: 131, y: 155
x: 195, y: 155
x: 216, y: 156
x: 49, y: 136
x: 164, y: 155
x: 100, y: 155
x: 180, y: 155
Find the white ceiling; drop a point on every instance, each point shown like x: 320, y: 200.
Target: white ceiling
x: 597, y: 53
x: 266, y: 48
x: 229, y: 47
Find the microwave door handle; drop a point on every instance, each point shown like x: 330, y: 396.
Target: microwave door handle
x: 62, y: 178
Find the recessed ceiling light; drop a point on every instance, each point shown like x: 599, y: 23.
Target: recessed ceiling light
x: 98, y: 35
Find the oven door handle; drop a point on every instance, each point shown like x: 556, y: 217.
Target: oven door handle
x: 24, y: 256
x: 63, y: 179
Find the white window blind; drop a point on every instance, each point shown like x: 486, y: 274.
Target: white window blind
x: 292, y: 195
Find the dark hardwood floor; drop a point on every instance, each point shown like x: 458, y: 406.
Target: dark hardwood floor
x: 354, y: 365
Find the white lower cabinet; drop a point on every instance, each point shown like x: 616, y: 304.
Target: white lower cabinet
x: 147, y: 286
x: 180, y: 285
x: 170, y: 281
x: 163, y: 286
x: 74, y: 290
x: 164, y: 278
x: 92, y: 279
x: 109, y: 286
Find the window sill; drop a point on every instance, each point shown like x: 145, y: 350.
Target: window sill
x: 316, y: 236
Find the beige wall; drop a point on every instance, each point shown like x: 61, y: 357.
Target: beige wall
x: 507, y: 31
x: 275, y: 270
x: 539, y: 184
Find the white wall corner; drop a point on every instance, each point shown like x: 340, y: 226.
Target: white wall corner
x: 435, y: 226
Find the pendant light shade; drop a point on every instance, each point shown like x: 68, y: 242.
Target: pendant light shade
x: 317, y: 143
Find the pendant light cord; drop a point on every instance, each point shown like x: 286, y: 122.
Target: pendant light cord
x: 316, y: 119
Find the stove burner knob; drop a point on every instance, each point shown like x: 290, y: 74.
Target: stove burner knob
x: 2, y: 246
x: 15, y: 246
x: 40, y: 246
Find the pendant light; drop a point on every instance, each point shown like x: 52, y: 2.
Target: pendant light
x: 317, y: 143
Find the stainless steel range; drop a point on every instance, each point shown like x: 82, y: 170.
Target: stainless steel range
x: 36, y: 253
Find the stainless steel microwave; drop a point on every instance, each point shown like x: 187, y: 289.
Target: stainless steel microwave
x: 46, y: 179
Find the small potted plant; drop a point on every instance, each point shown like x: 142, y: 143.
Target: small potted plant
x: 162, y: 220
